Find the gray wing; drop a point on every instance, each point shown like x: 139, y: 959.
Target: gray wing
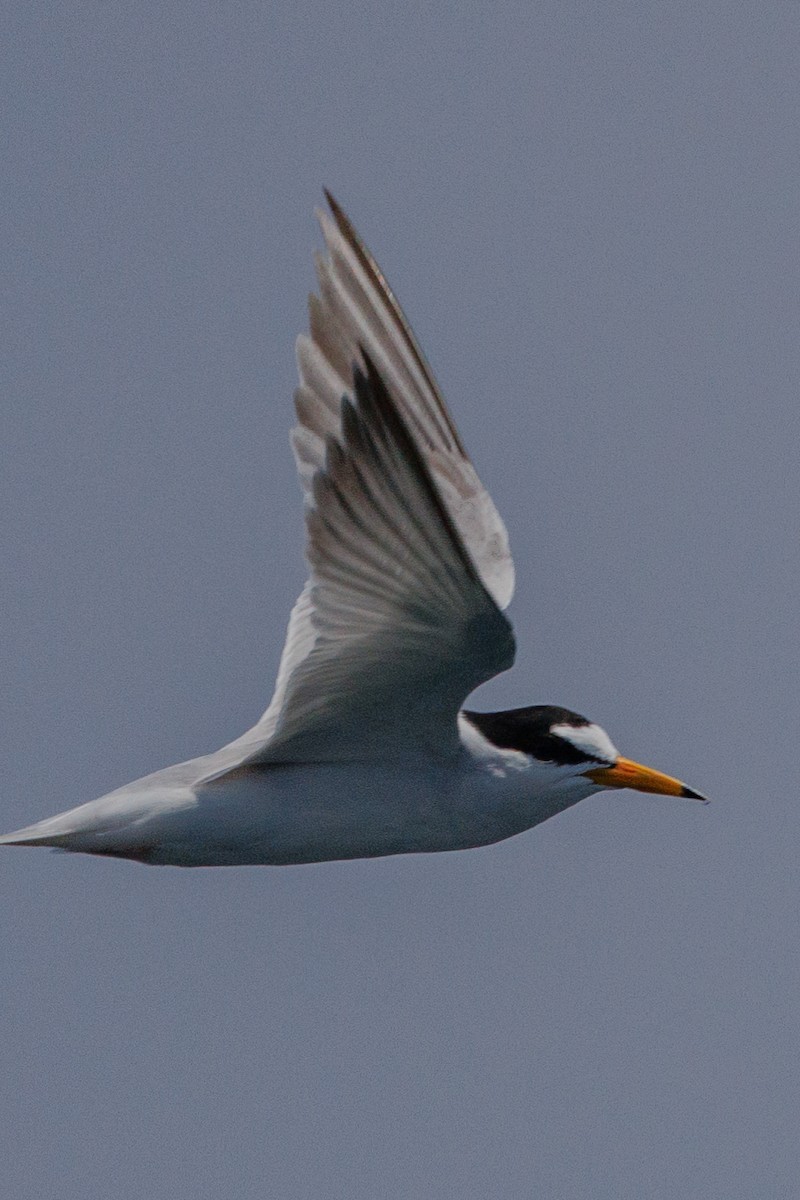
x: 410, y: 566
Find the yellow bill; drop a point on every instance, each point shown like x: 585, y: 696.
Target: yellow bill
x: 626, y: 773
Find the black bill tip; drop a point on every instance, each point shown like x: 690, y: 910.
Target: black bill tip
x: 689, y: 794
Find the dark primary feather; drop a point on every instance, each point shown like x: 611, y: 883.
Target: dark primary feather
x: 397, y: 315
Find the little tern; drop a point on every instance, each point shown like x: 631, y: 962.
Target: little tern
x: 365, y: 749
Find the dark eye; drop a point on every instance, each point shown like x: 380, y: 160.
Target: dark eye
x: 560, y: 750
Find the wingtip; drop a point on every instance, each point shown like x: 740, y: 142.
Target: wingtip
x: 334, y: 222
x: 348, y: 231
x: 337, y: 212
x: 335, y: 207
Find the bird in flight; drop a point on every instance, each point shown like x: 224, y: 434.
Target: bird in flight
x: 365, y: 749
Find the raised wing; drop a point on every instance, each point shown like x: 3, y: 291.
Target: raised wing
x: 410, y: 565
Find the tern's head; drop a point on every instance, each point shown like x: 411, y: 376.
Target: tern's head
x: 572, y: 751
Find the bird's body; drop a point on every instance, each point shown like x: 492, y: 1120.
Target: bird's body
x: 365, y: 749
x: 299, y: 813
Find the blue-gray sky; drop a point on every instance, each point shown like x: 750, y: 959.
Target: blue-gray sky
x: 590, y: 214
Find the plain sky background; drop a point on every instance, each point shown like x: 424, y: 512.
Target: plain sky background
x: 590, y: 214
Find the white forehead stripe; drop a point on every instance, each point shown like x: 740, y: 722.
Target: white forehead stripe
x: 589, y: 739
